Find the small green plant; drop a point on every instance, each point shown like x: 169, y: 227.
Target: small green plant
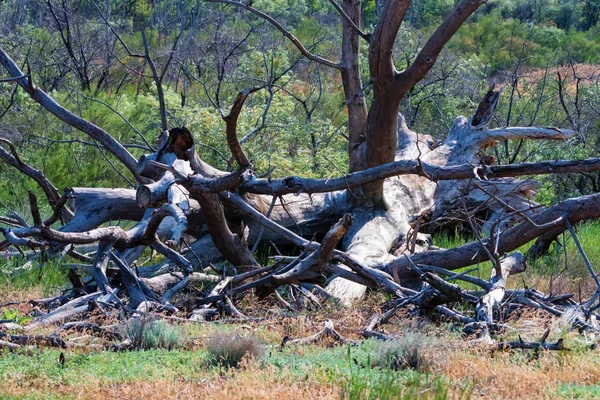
x: 145, y: 333
x: 228, y: 349
x: 14, y: 316
x: 411, y: 351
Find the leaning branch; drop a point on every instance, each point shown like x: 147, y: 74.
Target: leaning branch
x: 349, y: 20
x: 432, y: 49
x: 231, y: 122
x: 68, y: 117
x: 14, y: 160
x: 294, y: 184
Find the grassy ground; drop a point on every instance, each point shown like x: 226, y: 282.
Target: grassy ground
x: 328, y: 371
x: 452, y: 368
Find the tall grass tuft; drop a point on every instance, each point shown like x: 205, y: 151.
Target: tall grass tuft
x: 229, y: 349
x: 414, y: 351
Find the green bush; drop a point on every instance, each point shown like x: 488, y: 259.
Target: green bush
x: 145, y: 333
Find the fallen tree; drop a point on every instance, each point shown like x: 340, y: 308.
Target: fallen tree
x: 354, y: 231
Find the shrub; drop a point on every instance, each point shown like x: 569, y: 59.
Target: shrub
x: 413, y: 351
x: 228, y: 349
x: 145, y: 333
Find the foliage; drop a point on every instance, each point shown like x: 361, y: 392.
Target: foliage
x: 18, y: 277
x: 303, y: 131
x: 14, y: 315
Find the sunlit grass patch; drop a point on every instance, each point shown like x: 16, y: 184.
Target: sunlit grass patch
x: 20, y: 279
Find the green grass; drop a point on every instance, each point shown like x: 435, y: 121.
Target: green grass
x: 570, y: 391
x: 107, y: 367
x: 48, y: 278
x: 350, y: 368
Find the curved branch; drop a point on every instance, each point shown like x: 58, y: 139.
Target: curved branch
x: 231, y: 121
x: 281, y: 29
x: 38, y: 176
x: 429, y: 53
x: 230, y: 245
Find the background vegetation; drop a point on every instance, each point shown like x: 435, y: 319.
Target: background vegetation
x: 544, y: 53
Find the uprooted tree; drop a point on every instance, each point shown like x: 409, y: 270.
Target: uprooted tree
x: 363, y: 229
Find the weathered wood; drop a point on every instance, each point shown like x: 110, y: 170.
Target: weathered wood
x: 161, y: 283
x: 9, y: 345
x: 559, y: 345
x: 93, y: 207
x: 40, y: 340
x: 511, y: 265
x: 548, y: 220
x: 327, y: 331
x: 85, y: 326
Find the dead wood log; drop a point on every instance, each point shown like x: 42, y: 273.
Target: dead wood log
x: 376, y: 229
x: 161, y: 283
x: 40, y: 340
x: 93, y: 207
x: 327, y: 331
x: 550, y: 219
x: 539, y: 345
x: 9, y: 345
x: 69, y: 310
x: 85, y: 326
x: 559, y: 345
x: 514, y: 264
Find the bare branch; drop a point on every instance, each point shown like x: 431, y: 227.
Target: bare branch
x: 281, y: 29
x: 428, y: 55
x: 68, y: 117
x: 231, y: 121
x: 15, y: 78
x: 513, y: 133
x: 339, y: 9
x: 37, y: 175
x: 294, y: 184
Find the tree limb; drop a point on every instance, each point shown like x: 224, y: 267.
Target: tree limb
x: 281, y: 29
x: 68, y: 117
